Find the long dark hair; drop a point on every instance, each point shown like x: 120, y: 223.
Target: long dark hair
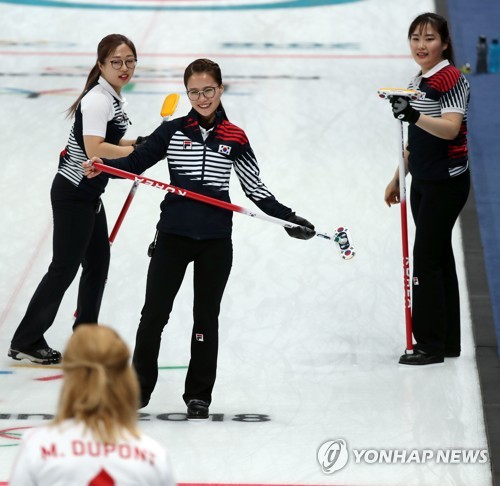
x: 107, y: 45
x: 441, y: 25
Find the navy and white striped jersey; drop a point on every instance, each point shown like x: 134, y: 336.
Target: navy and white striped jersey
x: 100, y: 113
x: 202, y: 166
x: 446, y: 90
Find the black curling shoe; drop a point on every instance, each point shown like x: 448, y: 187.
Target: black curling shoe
x: 419, y: 358
x: 197, y: 410
x: 45, y: 356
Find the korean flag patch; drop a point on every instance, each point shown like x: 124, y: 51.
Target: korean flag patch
x: 224, y: 149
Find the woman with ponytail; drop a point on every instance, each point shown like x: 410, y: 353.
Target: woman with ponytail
x: 94, y: 437
x: 80, y: 229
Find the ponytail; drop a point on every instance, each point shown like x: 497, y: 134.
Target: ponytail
x: 92, y: 79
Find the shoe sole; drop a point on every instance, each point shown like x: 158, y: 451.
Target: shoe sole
x: 417, y: 365
x: 197, y: 419
x: 18, y: 356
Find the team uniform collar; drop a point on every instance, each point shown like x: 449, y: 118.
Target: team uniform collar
x: 435, y: 69
x: 219, y: 116
x: 111, y: 90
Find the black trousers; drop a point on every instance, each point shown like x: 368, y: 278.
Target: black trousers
x: 80, y: 237
x: 435, y: 293
x: 212, y: 261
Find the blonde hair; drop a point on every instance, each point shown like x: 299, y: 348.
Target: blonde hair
x: 100, y: 388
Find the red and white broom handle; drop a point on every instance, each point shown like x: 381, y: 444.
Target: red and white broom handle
x: 167, y: 110
x: 404, y: 238
x: 123, y: 212
x: 140, y: 179
x: 411, y: 94
x: 208, y: 200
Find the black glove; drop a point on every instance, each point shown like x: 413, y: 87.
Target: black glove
x: 139, y: 140
x: 303, y: 232
x: 402, y: 110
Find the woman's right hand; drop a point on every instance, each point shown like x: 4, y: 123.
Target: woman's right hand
x: 392, y: 192
x: 88, y: 167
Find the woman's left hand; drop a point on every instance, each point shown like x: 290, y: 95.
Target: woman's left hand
x: 304, y: 231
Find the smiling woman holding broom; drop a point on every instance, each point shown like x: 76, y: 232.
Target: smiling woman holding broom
x: 201, y: 149
x: 437, y: 159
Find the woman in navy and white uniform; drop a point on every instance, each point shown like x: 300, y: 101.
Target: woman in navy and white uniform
x: 437, y: 159
x: 80, y: 229
x: 201, y: 148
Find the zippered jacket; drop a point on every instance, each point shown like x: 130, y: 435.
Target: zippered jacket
x: 202, y: 166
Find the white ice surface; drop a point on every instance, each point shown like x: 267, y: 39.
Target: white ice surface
x: 306, y: 339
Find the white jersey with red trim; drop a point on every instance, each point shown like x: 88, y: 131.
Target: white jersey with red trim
x: 67, y: 455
